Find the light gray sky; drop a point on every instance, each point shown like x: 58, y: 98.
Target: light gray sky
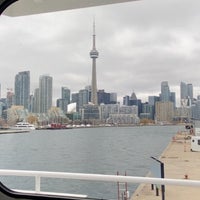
x: 140, y: 45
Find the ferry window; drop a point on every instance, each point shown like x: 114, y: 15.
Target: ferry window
x: 47, y: 87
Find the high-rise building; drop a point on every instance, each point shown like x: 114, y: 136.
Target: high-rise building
x: 65, y: 99
x: 186, y: 94
x: 83, y: 97
x: 190, y: 90
x: 36, y: 103
x: 65, y: 94
x: 183, y: 90
x: 165, y: 92
x: 22, y: 88
x: 94, y: 55
x: 45, y: 93
x: 164, y: 111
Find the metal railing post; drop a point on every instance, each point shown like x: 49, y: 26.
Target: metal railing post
x: 37, y: 183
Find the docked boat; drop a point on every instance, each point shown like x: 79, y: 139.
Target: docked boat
x: 23, y: 126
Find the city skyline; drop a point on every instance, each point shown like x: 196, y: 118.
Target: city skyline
x: 138, y: 49
x: 45, y: 87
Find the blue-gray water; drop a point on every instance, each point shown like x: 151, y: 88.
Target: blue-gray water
x: 85, y: 150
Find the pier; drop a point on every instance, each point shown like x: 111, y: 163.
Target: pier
x: 180, y: 163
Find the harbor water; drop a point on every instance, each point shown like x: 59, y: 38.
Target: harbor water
x: 105, y: 150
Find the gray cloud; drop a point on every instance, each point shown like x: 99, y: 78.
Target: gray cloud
x: 140, y: 44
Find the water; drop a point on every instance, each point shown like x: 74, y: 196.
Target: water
x: 85, y: 150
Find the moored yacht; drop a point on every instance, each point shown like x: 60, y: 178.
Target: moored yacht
x: 23, y: 126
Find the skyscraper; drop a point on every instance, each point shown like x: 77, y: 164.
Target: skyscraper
x: 65, y: 94
x: 186, y: 94
x: 45, y: 93
x: 94, y: 55
x: 22, y: 88
x: 165, y: 92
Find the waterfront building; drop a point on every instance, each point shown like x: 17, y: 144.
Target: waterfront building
x: 129, y: 110
x: 107, y: 109
x: 183, y: 114
x: 22, y: 88
x: 164, y: 111
x: 90, y: 113
x: 148, y: 111
x: 123, y: 119
x: 45, y: 93
x: 94, y: 55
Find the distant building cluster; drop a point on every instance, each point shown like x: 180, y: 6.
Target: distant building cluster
x: 78, y: 107
x: 93, y: 106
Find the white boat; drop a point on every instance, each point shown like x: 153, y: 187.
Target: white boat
x: 23, y: 126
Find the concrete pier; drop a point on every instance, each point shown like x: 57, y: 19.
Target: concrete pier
x: 180, y: 163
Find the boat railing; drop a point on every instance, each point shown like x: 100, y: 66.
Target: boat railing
x: 38, y: 175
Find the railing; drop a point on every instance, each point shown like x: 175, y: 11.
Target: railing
x: 96, y: 177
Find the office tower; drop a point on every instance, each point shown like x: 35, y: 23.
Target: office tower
x: 65, y: 94
x: 94, y: 55
x: 45, y: 93
x: 190, y: 90
x: 103, y: 97
x: 183, y: 90
x: 36, y: 103
x: 22, y: 88
x: 153, y: 99
x: 165, y: 92
x: 113, y: 98
x: 75, y: 100
x: 186, y: 94
x: 65, y: 99
x: 9, y: 97
x: 83, y: 98
x: 126, y: 100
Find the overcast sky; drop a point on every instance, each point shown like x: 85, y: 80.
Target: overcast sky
x: 140, y: 45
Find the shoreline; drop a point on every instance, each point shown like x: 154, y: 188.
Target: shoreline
x: 179, y: 163
x: 9, y: 131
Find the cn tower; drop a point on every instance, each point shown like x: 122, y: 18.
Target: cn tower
x: 94, y: 55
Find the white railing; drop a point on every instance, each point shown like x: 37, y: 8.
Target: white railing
x: 96, y: 177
